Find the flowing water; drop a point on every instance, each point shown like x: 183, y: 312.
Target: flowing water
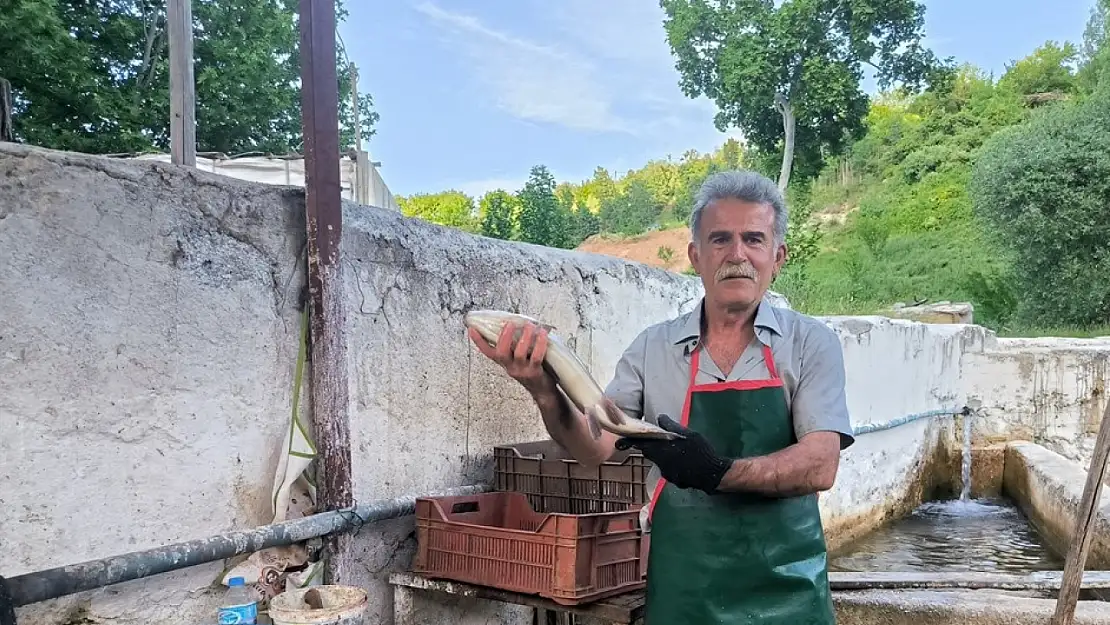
x: 965, y: 469
x: 955, y: 535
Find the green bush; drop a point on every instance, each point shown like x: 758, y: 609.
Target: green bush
x: 1044, y: 189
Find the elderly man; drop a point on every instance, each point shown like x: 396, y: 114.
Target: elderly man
x: 736, y: 534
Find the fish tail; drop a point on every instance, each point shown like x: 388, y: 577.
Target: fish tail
x: 612, y: 413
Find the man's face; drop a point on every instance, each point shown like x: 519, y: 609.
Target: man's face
x: 735, y: 253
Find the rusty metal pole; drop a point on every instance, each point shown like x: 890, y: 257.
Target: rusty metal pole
x: 324, y: 220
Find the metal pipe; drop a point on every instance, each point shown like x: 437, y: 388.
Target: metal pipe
x: 869, y: 428
x: 67, y: 580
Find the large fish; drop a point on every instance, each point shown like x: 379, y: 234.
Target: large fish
x: 571, y: 376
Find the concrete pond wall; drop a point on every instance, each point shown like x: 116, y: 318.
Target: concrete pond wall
x: 147, y: 351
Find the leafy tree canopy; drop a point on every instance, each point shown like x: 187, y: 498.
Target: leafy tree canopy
x: 94, y: 76
x: 807, y: 54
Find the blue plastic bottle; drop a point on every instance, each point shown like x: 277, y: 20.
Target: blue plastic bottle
x: 238, y: 605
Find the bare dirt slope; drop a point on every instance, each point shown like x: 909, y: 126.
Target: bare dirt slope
x: 644, y: 248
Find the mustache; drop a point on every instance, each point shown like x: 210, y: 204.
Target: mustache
x: 733, y: 270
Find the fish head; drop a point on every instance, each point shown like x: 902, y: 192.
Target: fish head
x: 489, y: 323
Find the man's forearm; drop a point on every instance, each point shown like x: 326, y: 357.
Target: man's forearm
x: 568, y: 427
x: 807, y: 467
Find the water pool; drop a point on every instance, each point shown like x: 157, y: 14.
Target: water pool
x: 980, y: 535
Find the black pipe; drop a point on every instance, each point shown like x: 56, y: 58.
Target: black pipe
x: 67, y: 580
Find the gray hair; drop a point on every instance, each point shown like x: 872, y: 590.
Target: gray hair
x: 741, y: 184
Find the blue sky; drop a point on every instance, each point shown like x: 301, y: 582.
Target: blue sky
x: 473, y: 94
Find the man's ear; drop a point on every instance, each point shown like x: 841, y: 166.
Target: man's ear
x: 692, y: 254
x: 780, y: 257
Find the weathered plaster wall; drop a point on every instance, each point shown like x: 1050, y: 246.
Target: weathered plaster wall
x: 1050, y: 390
x: 147, y: 344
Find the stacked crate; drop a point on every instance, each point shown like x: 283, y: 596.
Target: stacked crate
x: 552, y: 527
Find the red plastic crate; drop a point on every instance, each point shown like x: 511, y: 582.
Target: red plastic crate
x: 497, y: 540
x: 555, y: 482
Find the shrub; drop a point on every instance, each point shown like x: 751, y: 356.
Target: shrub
x: 1044, y: 188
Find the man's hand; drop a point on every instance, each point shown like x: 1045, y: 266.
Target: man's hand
x: 688, y: 462
x: 522, y: 359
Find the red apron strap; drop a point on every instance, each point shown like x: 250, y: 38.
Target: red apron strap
x: 694, y: 363
x: 769, y: 359
x: 684, y: 420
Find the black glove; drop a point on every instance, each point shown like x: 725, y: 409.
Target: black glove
x: 687, y: 462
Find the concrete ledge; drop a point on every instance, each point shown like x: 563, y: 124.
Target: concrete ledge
x: 981, y: 607
x: 1048, y: 487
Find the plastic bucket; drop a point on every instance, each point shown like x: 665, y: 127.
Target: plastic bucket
x: 342, y: 605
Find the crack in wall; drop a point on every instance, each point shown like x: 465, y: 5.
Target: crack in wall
x: 268, y: 259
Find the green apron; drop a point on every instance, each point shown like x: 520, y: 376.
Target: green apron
x: 732, y: 558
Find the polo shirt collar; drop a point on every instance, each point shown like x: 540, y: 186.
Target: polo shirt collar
x: 689, y: 333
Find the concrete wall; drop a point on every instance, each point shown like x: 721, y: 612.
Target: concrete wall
x: 1049, y: 488
x: 147, y: 345
x: 1051, y: 391
x: 150, y: 330
x: 894, y: 368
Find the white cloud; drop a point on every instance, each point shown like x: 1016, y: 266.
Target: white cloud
x: 529, y: 80
x: 628, y: 35
x: 603, y: 66
x: 629, y: 31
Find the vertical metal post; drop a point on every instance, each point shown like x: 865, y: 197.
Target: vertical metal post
x: 323, y: 208
x: 183, y: 123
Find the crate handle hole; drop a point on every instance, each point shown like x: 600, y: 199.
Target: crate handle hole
x: 464, y: 506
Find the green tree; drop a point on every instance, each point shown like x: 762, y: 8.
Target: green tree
x: 600, y: 187
x: 731, y: 154
x: 497, y: 208
x: 454, y: 209
x: 94, y: 77
x: 1047, y: 70
x: 539, y: 209
x: 662, y: 179
x: 1043, y: 188
x: 1095, y: 51
x: 789, y: 75
x: 693, y: 170
x: 629, y: 213
x: 586, y: 223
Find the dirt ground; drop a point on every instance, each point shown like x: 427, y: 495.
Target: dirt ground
x: 644, y: 248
